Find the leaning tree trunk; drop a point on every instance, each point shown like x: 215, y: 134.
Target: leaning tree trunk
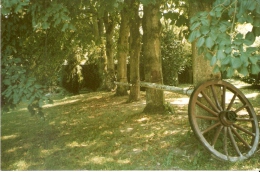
x: 152, y: 57
x: 202, y: 71
x: 110, y: 75
x: 123, y: 48
x: 135, y: 48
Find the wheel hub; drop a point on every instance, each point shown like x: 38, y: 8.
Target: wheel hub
x: 227, y: 118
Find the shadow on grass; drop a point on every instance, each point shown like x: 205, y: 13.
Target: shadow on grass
x: 98, y: 131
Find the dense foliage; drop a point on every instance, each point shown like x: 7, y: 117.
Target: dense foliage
x: 218, y: 39
x: 176, y: 56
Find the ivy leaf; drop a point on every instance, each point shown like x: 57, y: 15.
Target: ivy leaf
x: 209, y: 42
x: 200, y: 42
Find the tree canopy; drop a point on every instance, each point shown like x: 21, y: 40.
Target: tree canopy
x: 222, y: 44
x: 37, y: 36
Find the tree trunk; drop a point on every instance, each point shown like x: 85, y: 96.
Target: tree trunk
x: 152, y: 57
x: 110, y: 75
x: 100, y: 42
x: 123, y: 47
x: 202, y: 71
x: 135, y: 48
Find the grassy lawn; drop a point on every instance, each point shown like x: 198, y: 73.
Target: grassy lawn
x: 98, y: 131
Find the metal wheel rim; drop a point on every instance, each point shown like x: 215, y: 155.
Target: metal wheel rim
x: 228, y: 125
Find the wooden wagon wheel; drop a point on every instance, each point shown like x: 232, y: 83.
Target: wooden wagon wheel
x: 224, y: 121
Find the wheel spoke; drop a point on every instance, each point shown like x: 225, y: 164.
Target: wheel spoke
x: 225, y: 141
x: 242, y: 107
x: 232, y: 101
x: 244, y: 130
x: 207, y: 117
x: 210, y: 102
x: 240, y: 138
x: 224, y: 98
x: 215, y: 97
x: 246, y: 119
x: 207, y: 109
x: 216, y: 135
x: 234, y: 143
x: 210, y: 128
x: 224, y: 121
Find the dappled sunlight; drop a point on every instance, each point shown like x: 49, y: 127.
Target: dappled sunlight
x: 21, y: 165
x: 100, y: 132
x: 60, y: 103
x: 252, y: 95
x: 180, y: 101
x: 100, y: 160
x: 13, y: 136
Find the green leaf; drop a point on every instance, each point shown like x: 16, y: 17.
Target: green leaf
x: 220, y: 54
x: 5, y: 11
x: 216, y: 69
x: 256, y: 31
x: 227, y: 2
x: 213, y: 34
x: 250, y: 38
x: 205, y: 22
x: 256, y: 22
x: 244, y: 71
x: 65, y: 26
x: 228, y: 50
x: 209, y: 42
x: 204, y: 30
x: 258, y: 8
x: 213, y: 61
x: 251, y: 5
x: 225, y: 60
x: 200, y: 42
x: 255, y: 69
x: 253, y: 59
x: 236, y: 63
x: 230, y: 72
x: 194, y: 34
x: 201, y: 50
x: 195, y: 25
x: 208, y: 55
x: 212, y: 13
x: 251, y: 49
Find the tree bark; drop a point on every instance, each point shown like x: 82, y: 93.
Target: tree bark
x: 152, y: 57
x: 135, y: 48
x: 123, y: 49
x: 110, y: 74
x: 202, y: 71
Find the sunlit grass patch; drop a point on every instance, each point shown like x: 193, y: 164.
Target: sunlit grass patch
x: 99, y: 131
